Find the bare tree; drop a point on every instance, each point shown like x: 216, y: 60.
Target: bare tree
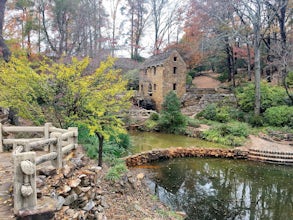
x: 138, y: 13
x: 163, y: 17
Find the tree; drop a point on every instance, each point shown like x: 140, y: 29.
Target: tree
x: 5, y: 52
x: 171, y: 119
x: 19, y: 89
x: 163, y: 14
x: 138, y: 16
x: 97, y: 101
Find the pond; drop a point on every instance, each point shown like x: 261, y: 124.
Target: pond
x: 208, y: 188
x: 144, y: 141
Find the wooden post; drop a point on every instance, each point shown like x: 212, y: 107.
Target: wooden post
x: 25, y: 192
x: 1, y: 142
x: 57, y: 147
x: 74, y: 138
x: 47, y: 134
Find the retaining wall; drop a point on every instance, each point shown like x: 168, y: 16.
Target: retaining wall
x: 164, y: 154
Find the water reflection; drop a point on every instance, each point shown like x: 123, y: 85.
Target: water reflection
x: 224, y: 189
x: 144, y: 141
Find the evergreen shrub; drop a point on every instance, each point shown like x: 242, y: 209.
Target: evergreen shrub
x: 279, y: 116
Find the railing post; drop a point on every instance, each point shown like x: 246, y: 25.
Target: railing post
x: 57, y: 147
x: 47, y: 133
x: 74, y: 138
x: 25, y: 193
x: 1, y: 139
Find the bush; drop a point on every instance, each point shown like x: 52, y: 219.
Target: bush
x: 221, y: 114
x: 193, y: 123
x: 150, y: 125
x: 279, y: 116
x: 232, y: 134
x: 255, y: 121
x: 172, y: 120
x: 270, y: 96
x: 208, y: 113
x: 154, y: 117
x: 116, y: 171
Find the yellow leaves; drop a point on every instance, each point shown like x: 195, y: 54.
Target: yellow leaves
x: 18, y: 88
x: 95, y: 100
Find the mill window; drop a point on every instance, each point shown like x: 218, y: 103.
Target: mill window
x: 174, y: 86
x: 174, y: 70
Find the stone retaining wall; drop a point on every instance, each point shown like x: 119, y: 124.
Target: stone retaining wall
x: 196, y: 100
x: 164, y: 154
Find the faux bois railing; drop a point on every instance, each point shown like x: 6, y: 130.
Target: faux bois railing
x: 55, y: 141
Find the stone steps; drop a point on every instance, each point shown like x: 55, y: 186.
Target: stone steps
x: 276, y: 157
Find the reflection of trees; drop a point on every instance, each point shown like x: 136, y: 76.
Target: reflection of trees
x: 223, y: 189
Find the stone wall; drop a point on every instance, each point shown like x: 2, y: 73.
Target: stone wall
x: 196, y: 100
x: 164, y: 154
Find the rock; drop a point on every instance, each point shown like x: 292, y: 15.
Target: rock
x: 74, y: 182
x: 95, y: 169
x: 89, y: 206
x: 104, y: 203
x: 100, y: 216
x: 64, y: 190
x: 67, y: 171
x: 100, y: 208
x: 60, y: 202
x: 140, y: 176
x: 40, y: 182
x: 181, y: 213
x: 70, y: 199
x: 47, y: 171
x: 99, y: 192
x: 70, y: 213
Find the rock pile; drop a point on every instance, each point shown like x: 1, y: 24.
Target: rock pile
x: 77, y: 191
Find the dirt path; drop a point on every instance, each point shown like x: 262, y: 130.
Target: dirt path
x: 6, y: 206
x: 205, y: 82
x: 258, y: 143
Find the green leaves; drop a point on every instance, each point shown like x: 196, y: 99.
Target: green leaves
x: 171, y: 119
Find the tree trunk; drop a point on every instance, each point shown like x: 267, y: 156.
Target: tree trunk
x: 248, y: 62
x: 257, y: 101
x: 101, y: 142
x: 3, y: 47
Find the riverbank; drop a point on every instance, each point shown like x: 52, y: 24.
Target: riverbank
x: 83, y: 192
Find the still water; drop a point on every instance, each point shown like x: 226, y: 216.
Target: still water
x: 222, y: 189
x: 144, y: 141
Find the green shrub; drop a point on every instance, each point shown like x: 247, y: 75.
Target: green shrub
x: 255, y: 121
x: 223, y: 77
x: 150, y: 125
x: 171, y: 119
x: 208, y: 113
x: 270, y: 96
x: 279, y: 116
x: 232, y: 134
x: 221, y: 114
x: 193, y: 122
x: 154, y: 116
x: 188, y: 80
x: 116, y: 172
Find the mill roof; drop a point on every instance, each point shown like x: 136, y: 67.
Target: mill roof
x: 157, y: 59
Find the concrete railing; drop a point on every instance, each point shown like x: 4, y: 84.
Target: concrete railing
x: 59, y: 141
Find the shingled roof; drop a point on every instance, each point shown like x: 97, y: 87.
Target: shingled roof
x: 157, y: 60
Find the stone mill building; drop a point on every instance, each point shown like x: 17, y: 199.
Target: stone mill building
x: 160, y: 74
